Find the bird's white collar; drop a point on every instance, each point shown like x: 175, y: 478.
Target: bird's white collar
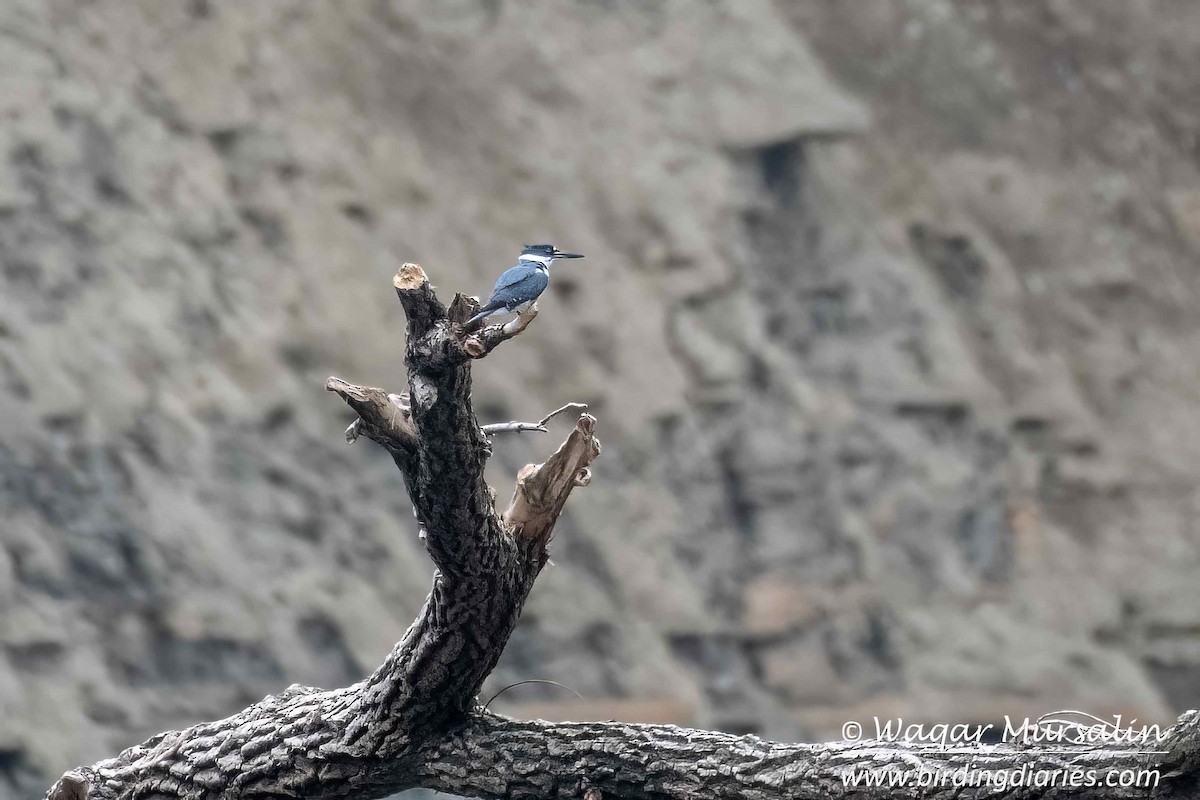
x: 543, y: 260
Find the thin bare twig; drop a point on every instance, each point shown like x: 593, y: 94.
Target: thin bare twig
x: 564, y: 409
x: 508, y: 427
x: 539, y: 426
x: 530, y: 680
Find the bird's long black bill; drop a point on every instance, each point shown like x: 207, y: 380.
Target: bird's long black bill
x: 568, y: 255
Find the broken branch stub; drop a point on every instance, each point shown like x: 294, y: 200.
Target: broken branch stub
x: 542, y: 489
x: 382, y: 417
x: 462, y: 308
x: 421, y: 305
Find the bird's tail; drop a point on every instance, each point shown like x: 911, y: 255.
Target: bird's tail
x: 483, y: 314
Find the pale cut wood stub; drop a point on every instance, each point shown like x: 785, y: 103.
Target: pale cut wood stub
x: 410, y: 277
x: 416, y: 720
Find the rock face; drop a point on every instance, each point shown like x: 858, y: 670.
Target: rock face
x: 888, y: 318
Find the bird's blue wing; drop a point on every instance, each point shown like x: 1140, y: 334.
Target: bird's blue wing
x: 517, y: 285
x: 526, y: 286
x: 512, y: 275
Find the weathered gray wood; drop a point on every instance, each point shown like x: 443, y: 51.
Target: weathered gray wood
x: 539, y: 426
x: 416, y: 720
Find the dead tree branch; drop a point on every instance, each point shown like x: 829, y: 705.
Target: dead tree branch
x: 539, y: 426
x: 416, y: 720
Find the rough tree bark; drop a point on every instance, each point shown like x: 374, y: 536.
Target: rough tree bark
x: 416, y: 721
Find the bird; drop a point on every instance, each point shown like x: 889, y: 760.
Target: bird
x: 520, y: 286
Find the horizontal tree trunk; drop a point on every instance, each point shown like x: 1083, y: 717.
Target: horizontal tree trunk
x: 501, y: 758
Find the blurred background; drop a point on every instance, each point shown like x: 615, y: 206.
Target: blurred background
x: 888, y: 317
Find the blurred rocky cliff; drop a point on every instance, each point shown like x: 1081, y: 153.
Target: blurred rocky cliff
x: 888, y: 317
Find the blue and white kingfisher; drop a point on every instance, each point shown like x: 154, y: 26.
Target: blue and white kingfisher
x: 518, y: 287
